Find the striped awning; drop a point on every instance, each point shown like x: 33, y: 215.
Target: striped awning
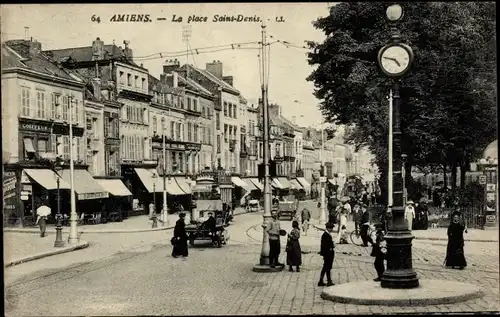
x: 295, y: 184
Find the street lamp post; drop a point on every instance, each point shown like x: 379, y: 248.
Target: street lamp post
x: 164, y: 212
x: 155, y: 220
x: 59, y: 241
x: 73, y: 232
x: 395, y: 60
x: 403, y: 176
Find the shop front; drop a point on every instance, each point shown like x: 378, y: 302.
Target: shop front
x: 117, y: 206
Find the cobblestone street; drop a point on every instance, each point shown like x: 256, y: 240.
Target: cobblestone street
x: 144, y: 279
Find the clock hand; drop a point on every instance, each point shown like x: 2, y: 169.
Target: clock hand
x: 393, y: 59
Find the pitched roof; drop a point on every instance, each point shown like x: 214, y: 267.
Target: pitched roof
x: 38, y: 62
x: 194, y: 85
x: 213, y: 78
x: 85, y: 54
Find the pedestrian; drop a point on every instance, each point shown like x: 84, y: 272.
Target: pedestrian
x: 356, y: 215
x: 42, y: 213
x: 327, y: 251
x: 293, y: 251
x: 410, y: 214
x: 180, y: 239
x: 273, y: 230
x: 342, y: 224
x: 379, y: 251
x: 364, y: 223
x: 305, y: 218
x: 455, y: 257
x: 151, y: 210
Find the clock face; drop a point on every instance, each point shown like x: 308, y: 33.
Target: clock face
x: 395, y: 60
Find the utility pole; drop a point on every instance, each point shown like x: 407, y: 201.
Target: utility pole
x: 389, y: 179
x: 263, y: 265
x: 165, y: 213
x: 186, y: 34
x: 73, y: 232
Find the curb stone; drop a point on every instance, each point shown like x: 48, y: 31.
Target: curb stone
x: 80, y: 245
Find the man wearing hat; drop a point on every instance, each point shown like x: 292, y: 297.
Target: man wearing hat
x: 379, y: 251
x: 365, y: 224
x: 327, y: 251
x: 273, y: 230
x: 410, y: 214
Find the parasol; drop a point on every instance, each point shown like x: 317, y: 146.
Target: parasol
x: 345, y: 199
x: 43, y: 211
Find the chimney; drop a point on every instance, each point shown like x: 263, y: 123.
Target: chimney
x: 215, y: 68
x: 96, y: 84
x: 176, y: 79
x: 97, y: 49
x: 228, y: 79
x: 170, y: 65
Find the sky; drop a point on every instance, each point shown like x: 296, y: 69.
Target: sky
x: 59, y: 26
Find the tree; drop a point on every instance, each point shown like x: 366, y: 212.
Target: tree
x: 448, y: 96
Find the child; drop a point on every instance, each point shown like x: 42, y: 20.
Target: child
x: 343, y: 235
x: 379, y: 251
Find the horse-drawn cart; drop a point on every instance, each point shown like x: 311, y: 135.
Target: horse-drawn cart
x: 287, y: 209
x: 198, y: 230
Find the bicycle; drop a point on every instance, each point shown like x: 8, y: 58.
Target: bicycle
x: 356, y: 236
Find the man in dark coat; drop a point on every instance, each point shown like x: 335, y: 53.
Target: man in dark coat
x: 327, y: 251
x: 365, y: 223
x: 180, y: 238
x: 379, y: 251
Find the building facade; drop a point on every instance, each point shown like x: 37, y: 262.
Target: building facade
x: 38, y: 101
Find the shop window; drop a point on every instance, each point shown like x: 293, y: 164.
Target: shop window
x: 25, y: 101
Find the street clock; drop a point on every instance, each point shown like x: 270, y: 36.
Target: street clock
x: 395, y: 59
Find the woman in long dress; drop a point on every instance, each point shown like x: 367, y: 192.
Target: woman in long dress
x: 455, y: 257
x: 180, y: 239
x: 293, y: 251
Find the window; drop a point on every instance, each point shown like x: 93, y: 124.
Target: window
x: 189, y: 127
x: 225, y: 133
x: 66, y: 147
x: 129, y: 79
x: 195, y: 105
x: 181, y: 102
x: 217, y: 121
x: 65, y: 108
x: 209, y: 135
x: 29, y: 150
x: 122, y: 78
x: 136, y: 81
x: 188, y: 103
x: 225, y: 109
x: 195, y: 137
x: 172, y: 128
x: 25, y: 101
x: 75, y: 110
x: 40, y: 104
x: 53, y: 106
x: 143, y: 83
x: 155, y: 124
x: 218, y: 143
x: 235, y: 111
x: 178, y: 132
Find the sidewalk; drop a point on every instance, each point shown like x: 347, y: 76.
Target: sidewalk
x: 25, y: 244
x: 439, y: 234
x: 21, y: 247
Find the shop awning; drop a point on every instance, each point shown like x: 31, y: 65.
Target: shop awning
x: 86, y: 187
x: 183, y: 183
x: 256, y: 183
x: 241, y: 183
x: 332, y: 181
x: 251, y: 185
x: 146, y: 177
x: 28, y: 145
x: 47, y: 178
x: 114, y: 186
x: 303, y: 182
x: 284, y: 182
x: 295, y: 184
x: 276, y: 184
